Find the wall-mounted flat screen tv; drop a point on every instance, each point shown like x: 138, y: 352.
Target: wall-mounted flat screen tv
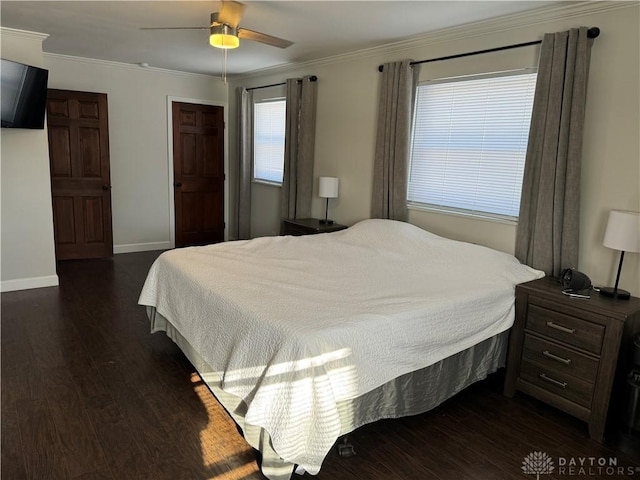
x: 23, y: 95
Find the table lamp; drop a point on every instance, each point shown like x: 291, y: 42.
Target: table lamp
x: 622, y: 233
x: 328, y: 188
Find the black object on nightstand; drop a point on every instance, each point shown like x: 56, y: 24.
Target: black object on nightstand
x: 572, y: 353
x: 308, y: 226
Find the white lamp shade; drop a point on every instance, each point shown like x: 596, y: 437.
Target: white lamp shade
x: 328, y: 187
x: 623, y: 231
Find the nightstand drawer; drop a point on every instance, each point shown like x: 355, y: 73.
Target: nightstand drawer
x: 571, y: 330
x: 554, y: 381
x: 559, y: 358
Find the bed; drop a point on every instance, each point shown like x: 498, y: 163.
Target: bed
x: 304, y: 339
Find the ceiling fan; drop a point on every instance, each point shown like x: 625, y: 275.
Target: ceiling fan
x: 225, y: 31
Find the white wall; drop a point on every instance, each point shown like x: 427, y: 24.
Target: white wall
x: 142, y: 201
x: 26, y: 221
x: 142, y: 198
x: 347, y: 104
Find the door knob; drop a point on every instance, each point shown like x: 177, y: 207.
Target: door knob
x: 178, y: 184
x: 106, y: 187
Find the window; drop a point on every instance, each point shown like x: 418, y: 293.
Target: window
x: 469, y: 143
x: 268, y: 140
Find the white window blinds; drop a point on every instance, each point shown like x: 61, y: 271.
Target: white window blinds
x: 268, y: 140
x: 469, y: 143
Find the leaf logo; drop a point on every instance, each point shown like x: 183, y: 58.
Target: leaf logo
x: 537, y: 463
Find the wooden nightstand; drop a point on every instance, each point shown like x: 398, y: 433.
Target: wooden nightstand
x: 571, y: 353
x: 308, y: 226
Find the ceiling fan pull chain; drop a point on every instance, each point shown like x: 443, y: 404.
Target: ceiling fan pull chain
x: 224, y: 66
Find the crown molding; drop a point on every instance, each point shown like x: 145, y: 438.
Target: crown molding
x: 14, y: 32
x: 128, y: 66
x: 469, y: 30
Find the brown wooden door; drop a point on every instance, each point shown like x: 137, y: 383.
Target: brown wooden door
x: 198, y: 173
x: 77, y: 124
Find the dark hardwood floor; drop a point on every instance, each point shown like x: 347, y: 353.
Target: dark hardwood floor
x: 89, y: 394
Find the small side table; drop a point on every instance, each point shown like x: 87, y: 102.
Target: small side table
x: 571, y: 353
x: 308, y: 226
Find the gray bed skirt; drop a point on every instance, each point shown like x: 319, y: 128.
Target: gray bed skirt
x: 410, y: 394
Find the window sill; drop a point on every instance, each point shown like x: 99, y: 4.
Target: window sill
x: 463, y: 214
x: 266, y: 182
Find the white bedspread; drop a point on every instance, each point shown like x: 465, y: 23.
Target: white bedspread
x: 295, y: 324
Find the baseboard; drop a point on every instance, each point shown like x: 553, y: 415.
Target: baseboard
x: 141, y: 247
x: 28, y: 283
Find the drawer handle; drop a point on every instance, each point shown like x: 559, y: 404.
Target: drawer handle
x: 553, y: 380
x: 547, y: 353
x: 561, y: 328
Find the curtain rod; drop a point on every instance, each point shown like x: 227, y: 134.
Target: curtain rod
x: 312, y: 78
x: 593, y: 32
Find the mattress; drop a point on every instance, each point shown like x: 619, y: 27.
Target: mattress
x: 293, y: 326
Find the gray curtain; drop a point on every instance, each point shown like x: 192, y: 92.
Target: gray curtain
x: 245, y: 163
x: 300, y: 134
x: 547, y: 236
x: 393, y: 138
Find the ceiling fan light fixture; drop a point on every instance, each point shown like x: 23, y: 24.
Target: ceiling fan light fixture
x: 224, y: 36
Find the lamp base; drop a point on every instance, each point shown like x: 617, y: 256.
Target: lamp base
x: 612, y: 293
x: 326, y: 222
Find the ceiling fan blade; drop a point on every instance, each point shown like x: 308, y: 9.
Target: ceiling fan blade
x: 230, y: 13
x: 174, y: 28
x: 263, y: 38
